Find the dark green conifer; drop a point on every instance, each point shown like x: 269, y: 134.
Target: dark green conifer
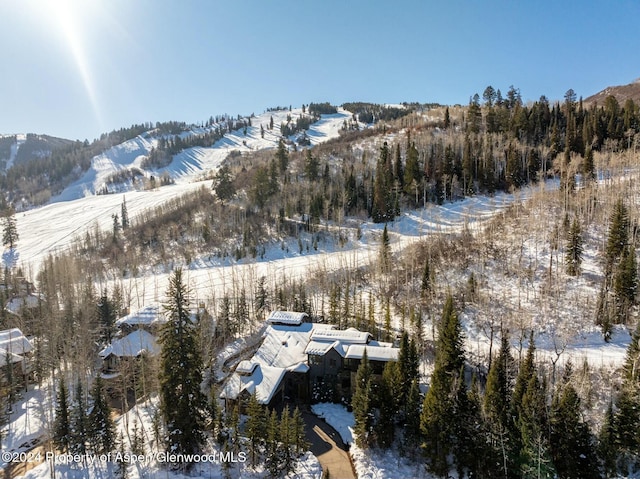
x: 61, y: 424
x: 182, y: 403
x: 102, y: 435
x: 361, y: 404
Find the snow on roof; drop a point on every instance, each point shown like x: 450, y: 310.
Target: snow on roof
x: 143, y: 317
x: 287, y: 317
x: 12, y: 358
x: 15, y: 342
x: 282, y: 350
x: 374, y: 353
x: 319, y: 348
x: 246, y: 368
x: 351, y: 336
x: 263, y: 382
x: 16, y: 304
x: 132, y: 345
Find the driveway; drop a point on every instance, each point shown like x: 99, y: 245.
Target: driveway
x: 328, y: 447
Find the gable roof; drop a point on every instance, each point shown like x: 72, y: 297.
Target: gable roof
x: 143, y: 317
x: 351, y: 336
x: 15, y: 342
x: 292, y: 318
x: 132, y: 345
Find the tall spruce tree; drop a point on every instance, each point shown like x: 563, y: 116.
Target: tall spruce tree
x: 10, y: 231
x: 572, y: 446
x: 497, y: 406
x: 102, y: 434
x: 573, y: 255
x: 79, y: 423
x: 182, y: 403
x: 61, y: 423
x: 439, y: 424
x: 361, y: 403
x: 618, y: 237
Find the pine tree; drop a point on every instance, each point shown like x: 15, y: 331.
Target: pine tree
x: 102, y: 436
x: 107, y: 317
x: 618, y: 237
x: 361, y: 403
x: 412, y: 419
x: 535, y: 454
x: 299, y: 434
x: 287, y: 440
x: 124, y: 214
x: 182, y: 403
x: 223, y: 184
x: 385, y: 251
x: 497, y: 406
x: 79, y: 423
x: 273, y: 461
x: 10, y: 231
x: 571, y: 442
x: 311, y: 166
x: 588, y: 167
x: 625, y: 283
x: 61, y: 424
x: 573, y: 256
x: 382, y: 208
x: 385, y: 425
x: 255, y: 427
x: 282, y: 156
x: 607, y: 450
x: 439, y: 425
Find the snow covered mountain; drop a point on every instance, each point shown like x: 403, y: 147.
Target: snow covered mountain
x: 193, y: 163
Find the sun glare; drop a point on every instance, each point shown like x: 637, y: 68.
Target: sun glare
x: 66, y: 17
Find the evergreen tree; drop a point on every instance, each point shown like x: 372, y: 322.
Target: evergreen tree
x: 287, y: 440
x: 273, y: 449
x: 385, y: 425
x: 182, y: 403
x: 497, y: 406
x: 102, y: 435
x: 255, y: 427
x: 62, y: 425
x: 107, y: 317
x: 10, y: 231
x: 607, y: 450
x: 124, y: 214
x: 282, y: 156
x: 383, y: 208
x: 311, y: 166
x: 299, y: 434
x: 79, y: 423
x: 426, y: 278
x: 385, y: 251
x: 571, y: 442
x: 412, y: 419
x: 618, y: 237
x: 361, y: 403
x: 573, y: 256
x: 625, y: 283
x: 223, y: 184
x: 439, y: 424
x: 588, y: 167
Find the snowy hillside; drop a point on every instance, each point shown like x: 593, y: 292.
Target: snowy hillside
x: 191, y: 164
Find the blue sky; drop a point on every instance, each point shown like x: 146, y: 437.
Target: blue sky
x: 77, y: 68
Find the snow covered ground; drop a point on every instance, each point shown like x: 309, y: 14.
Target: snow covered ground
x: 150, y: 464
x: 373, y: 463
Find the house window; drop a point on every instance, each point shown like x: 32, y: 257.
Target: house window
x: 332, y: 362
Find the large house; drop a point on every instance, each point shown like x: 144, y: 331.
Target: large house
x: 15, y: 353
x: 137, y: 338
x: 297, y: 356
